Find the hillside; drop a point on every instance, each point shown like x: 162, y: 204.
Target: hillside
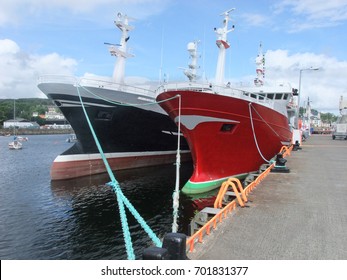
x: 25, y: 108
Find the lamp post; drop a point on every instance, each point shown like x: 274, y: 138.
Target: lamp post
x: 297, y: 112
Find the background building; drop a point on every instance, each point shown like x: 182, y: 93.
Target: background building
x: 21, y: 123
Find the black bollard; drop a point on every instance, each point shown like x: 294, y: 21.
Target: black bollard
x: 280, y: 165
x: 155, y: 253
x: 175, y: 243
x: 296, y: 146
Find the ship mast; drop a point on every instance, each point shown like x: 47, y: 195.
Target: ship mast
x: 260, y: 63
x: 122, y: 22
x: 222, y: 44
x: 343, y: 106
x: 192, y: 48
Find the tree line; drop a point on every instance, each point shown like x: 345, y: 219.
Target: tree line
x: 25, y: 107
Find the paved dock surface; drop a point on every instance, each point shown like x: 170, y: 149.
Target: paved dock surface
x: 301, y: 215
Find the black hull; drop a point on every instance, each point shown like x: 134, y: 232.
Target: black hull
x: 130, y: 136
x: 120, y: 129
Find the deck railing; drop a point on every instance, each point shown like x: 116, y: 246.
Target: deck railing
x: 146, y: 90
x: 215, y: 89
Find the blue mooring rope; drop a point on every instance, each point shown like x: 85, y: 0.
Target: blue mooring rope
x: 121, y: 199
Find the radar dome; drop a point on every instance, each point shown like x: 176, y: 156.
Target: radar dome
x: 191, y: 46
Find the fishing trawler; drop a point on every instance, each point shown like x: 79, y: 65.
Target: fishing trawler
x: 132, y: 129
x: 231, y: 131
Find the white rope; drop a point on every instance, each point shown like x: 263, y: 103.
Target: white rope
x: 254, y: 136
x: 176, y: 196
x: 266, y: 122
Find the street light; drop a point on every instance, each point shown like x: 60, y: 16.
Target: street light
x: 297, y: 111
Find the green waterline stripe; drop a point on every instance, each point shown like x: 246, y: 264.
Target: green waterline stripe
x: 201, y: 187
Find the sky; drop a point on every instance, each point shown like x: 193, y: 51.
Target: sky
x: 39, y: 37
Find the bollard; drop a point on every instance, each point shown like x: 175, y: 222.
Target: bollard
x: 173, y: 248
x: 155, y: 253
x: 280, y: 165
x: 296, y: 146
x: 175, y: 243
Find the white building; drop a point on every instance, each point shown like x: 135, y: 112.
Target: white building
x: 51, y: 114
x: 20, y: 123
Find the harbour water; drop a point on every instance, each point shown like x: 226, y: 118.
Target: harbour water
x: 78, y: 219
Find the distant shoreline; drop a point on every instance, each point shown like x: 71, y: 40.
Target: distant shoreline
x: 9, y: 131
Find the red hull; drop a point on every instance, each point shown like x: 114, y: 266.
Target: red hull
x: 72, y: 166
x: 220, y: 135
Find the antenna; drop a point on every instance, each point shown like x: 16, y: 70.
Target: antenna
x: 110, y: 44
x: 161, y: 55
x: 227, y: 12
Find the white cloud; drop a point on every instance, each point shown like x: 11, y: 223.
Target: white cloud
x: 324, y: 87
x: 19, y: 71
x: 8, y: 47
x: 16, y: 12
x: 255, y: 19
x: 308, y: 14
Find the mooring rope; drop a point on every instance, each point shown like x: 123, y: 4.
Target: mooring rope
x: 265, y: 121
x: 121, y: 199
x: 176, y: 196
x: 254, y: 136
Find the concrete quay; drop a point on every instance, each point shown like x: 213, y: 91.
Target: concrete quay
x: 301, y: 215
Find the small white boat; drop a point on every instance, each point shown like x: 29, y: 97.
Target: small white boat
x: 15, y: 145
x: 72, y: 138
x: 22, y: 139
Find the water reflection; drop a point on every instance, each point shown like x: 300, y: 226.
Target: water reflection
x: 78, y: 218
x: 91, y: 207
